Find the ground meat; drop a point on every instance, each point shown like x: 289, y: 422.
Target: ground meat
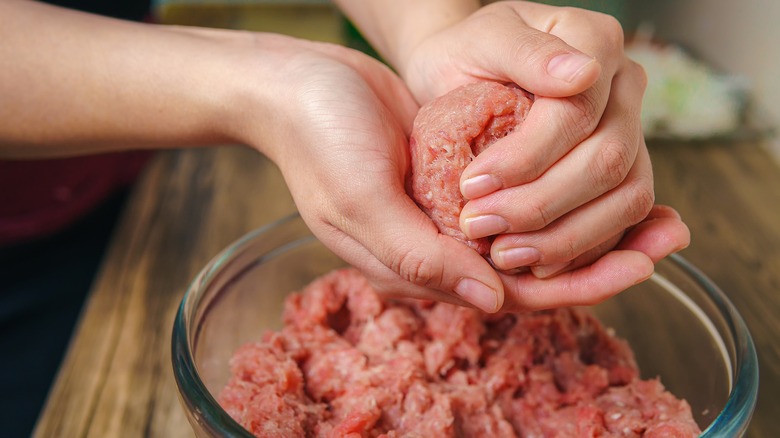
x: 448, y: 133
x: 347, y: 363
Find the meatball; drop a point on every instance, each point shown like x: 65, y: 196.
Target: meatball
x: 448, y: 133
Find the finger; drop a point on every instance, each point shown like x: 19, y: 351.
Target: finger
x: 422, y: 256
x: 596, y: 34
x: 660, y: 211
x: 549, y: 131
x: 553, y: 126
x: 405, y: 240
x: 552, y: 52
x: 582, y: 229
x: 599, y: 164
x: 584, y: 259
x: 510, y: 48
x: 385, y: 281
x: 591, y: 284
x: 661, y: 233
x: 404, y: 255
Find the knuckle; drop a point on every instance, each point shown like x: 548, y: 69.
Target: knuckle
x: 534, y: 217
x: 531, y: 46
x: 417, y: 268
x: 606, y: 26
x: 566, y: 245
x: 521, y: 167
x: 641, y: 200
x: 638, y: 201
x: 613, y: 30
x: 638, y: 72
x: 348, y: 206
x: 581, y: 117
x: 612, y: 164
x: 567, y: 249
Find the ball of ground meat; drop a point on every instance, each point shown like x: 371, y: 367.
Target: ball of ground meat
x: 448, y: 133
x: 349, y: 364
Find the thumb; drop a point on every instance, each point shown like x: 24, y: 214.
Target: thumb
x: 537, y: 61
x: 411, y: 246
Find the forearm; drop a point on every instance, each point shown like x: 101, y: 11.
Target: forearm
x: 76, y: 83
x: 395, y: 27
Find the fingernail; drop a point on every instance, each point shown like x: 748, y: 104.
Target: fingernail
x: 514, y: 257
x: 487, y: 225
x: 478, y: 294
x: 480, y: 185
x: 549, y: 270
x: 641, y: 280
x: 568, y: 66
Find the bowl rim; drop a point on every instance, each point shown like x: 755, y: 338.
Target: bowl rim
x: 732, y: 421
x: 192, y: 390
x: 735, y: 417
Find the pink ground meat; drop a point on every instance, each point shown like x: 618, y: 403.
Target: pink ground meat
x: 348, y: 364
x: 447, y: 134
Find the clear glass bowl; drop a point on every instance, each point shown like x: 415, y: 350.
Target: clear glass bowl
x: 680, y: 325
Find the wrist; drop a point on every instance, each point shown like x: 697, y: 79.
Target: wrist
x: 427, y: 20
x: 239, y: 89
x: 227, y: 84
x: 260, y: 99
x: 395, y: 28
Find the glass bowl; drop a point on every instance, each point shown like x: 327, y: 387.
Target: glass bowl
x: 680, y: 325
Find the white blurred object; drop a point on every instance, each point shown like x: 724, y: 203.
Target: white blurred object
x: 685, y: 98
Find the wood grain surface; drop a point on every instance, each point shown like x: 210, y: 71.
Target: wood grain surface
x: 729, y: 195
x: 117, y: 380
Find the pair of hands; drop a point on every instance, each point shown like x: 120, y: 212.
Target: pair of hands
x: 570, y: 193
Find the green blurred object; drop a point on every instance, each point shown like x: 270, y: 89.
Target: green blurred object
x: 354, y: 40
x: 317, y: 20
x: 620, y: 9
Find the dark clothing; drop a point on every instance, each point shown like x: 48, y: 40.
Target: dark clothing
x: 44, y: 285
x: 135, y: 10
x: 56, y: 218
x: 39, y: 198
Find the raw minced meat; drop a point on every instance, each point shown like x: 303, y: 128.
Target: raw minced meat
x: 448, y: 133
x: 349, y: 364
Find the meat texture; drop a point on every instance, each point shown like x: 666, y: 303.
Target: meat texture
x: 448, y: 133
x: 347, y: 364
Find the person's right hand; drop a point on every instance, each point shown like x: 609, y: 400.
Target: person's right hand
x: 561, y: 191
x: 576, y: 173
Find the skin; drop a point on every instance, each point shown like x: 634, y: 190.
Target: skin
x: 578, y: 162
x: 336, y: 122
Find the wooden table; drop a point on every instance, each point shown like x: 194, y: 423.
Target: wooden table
x: 117, y: 380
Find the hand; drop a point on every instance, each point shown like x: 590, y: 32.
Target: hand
x: 565, y: 186
x: 630, y: 262
x: 334, y: 120
x: 339, y: 136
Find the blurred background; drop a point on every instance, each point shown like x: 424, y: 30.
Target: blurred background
x: 712, y: 64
